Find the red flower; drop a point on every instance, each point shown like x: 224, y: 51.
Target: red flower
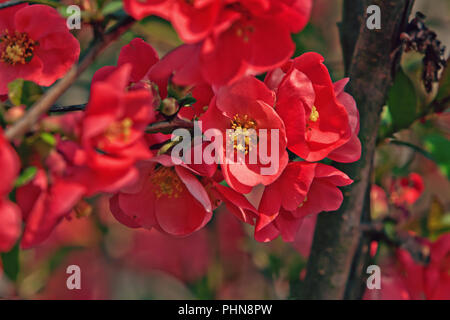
x: 10, y: 218
x: 407, y: 190
x: 46, y: 201
x: 350, y: 151
x: 147, y: 71
x: 193, y: 20
x: 169, y: 198
x: 413, y: 280
x: 236, y: 203
x: 244, y: 106
x: 33, y: 50
x: 245, y: 37
x: 321, y: 120
x: 112, y: 134
x: 139, y: 54
x: 432, y: 281
x: 302, y: 190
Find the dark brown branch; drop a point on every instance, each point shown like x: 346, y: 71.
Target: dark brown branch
x: 61, y: 109
x: 337, y: 239
x: 353, y: 18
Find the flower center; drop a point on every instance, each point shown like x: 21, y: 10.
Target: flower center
x: 16, y: 48
x: 119, y: 130
x: 244, y: 133
x: 314, y: 116
x: 166, y: 182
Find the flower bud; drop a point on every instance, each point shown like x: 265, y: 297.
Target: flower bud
x: 169, y: 107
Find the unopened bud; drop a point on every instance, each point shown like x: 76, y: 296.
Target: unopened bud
x: 169, y: 106
x: 83, y: 209
x: 14, y: 114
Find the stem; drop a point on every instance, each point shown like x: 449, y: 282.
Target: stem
x: 49, y: 98
x: 436, y: 105
x: 337, y: 248
x: 61, y: 109
x: 168, y: 126
x: 8, y: 4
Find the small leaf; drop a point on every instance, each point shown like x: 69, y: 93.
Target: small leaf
x: 188, y: 100
x: 417, y: 149
x: 402, y: 101
x: 21, y: 92
x: 26, y: 176
x: 444, y: 83
x: 48, y: 138
x: 166, y: 147
x: 11, y: 264
x: 435, y: 219
x: 112, y: 7
x: 439, y: 147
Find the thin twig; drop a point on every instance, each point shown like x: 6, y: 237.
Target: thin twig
x: 50, y: 97
x: 166, y: 126
x: 61, y: 109
x: 430, y: 109
x: 8, y: 4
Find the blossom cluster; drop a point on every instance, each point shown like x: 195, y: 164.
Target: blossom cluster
x: 115, y: 146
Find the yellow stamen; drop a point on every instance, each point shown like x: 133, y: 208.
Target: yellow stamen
x: 119, y: 130
x: 241, y: 126
x: 17, y: 48
x: 314, y: 116
x: 166, y: 182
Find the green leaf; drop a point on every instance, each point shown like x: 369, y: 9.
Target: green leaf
x: 11, y: 264
x: 26, y: 176
x: 112, y: 7
x: 21, y: 92
x: 48, y: 138
x: 439, y: 147
x: 444, y: 83
x: 402, y: 101
x: 417, y: 149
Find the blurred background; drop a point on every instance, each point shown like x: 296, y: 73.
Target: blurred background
x: 222, y: 261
